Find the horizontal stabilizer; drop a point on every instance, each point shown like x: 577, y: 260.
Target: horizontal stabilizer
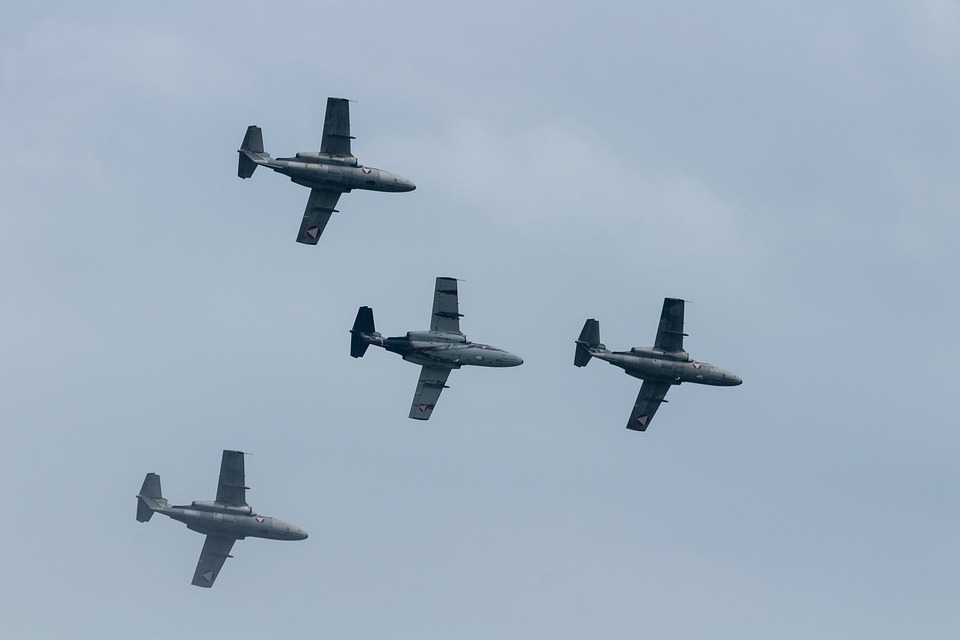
x: 144, y: 512
x: 246, y: 166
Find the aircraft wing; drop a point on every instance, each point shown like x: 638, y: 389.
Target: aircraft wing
x: 648, y: 401
x: 670, y: 332
x: 446, y: 308
x: 216, y: 550
x: 336, y: 128
x: 432, y: 381
x: 320, y: 206
x: 231, y: 489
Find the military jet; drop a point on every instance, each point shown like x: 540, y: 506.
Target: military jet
x: 224, y: 521
x: 665, y: 364
x: 439, y: 350
x: 333, y: 171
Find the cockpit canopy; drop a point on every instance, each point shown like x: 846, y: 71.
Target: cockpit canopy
x: 312, y: 156
x: 678, y: 356
x: 211, y: 505
x: 436, y: 336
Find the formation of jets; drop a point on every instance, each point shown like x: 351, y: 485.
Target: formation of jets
x: 332, y: 171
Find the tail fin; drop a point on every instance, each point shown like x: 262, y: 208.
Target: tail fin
x: 251, y: 151
x: 362, y: 325
x: 149, y: 499
x: 589, y: 338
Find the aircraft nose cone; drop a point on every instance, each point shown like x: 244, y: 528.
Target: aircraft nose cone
x: 408, y: 185
x: 734, y: 380
x: 300, y: 534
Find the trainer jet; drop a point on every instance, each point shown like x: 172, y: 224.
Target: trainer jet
x: 665, y: 364
x: 333, y: 171
x: 439, y: 351
x: 224, y: 521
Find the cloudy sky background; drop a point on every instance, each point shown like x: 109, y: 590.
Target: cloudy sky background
x: 790, y: 169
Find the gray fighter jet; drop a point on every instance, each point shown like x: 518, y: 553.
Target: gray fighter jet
x: 665, y: 364
x: 333, y: 171
x: 439, y: 350
x: 224, y: 521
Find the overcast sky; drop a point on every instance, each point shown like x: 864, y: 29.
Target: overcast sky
x: 790, y: 168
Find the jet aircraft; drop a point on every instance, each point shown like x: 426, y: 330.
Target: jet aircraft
x: 439, y: 350
x: 224, y: 521
x: 665, y: 364
x: 333, y: 171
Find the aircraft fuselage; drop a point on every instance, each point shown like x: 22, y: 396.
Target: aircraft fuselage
x: 446, y: 350
x: 648, y: 364
x: 315, y: 170
x: 235, y: 522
